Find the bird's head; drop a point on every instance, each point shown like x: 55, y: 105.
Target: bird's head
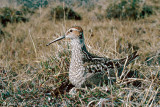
x: 75, y: 32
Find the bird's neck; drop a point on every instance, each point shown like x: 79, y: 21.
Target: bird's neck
x: 76, y: 48
x: 76, y: 70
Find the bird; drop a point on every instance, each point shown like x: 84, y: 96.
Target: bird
x: 89, y: 69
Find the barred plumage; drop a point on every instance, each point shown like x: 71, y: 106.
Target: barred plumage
x: 86, y: 68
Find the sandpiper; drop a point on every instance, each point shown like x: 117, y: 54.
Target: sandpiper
x: 86, y: 68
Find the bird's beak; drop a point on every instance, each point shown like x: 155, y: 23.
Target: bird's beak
x: 60, y: 38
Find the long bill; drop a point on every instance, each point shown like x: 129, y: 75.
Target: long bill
x: 60, y: 38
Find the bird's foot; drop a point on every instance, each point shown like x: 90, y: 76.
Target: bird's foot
x: 73, y: 91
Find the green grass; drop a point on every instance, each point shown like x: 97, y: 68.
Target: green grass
x: 129, y: 9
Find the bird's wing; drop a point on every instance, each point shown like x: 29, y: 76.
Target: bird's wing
x: 101, y: 64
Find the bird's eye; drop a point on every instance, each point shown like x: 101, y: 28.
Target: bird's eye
x: 71, y: 30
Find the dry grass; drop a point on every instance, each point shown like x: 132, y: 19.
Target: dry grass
x: 32, y: 73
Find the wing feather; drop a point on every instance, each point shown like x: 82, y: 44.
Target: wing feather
x: 101, y: 64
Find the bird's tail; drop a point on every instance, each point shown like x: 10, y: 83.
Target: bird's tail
x: 129, y: 59
x: 121, y: 63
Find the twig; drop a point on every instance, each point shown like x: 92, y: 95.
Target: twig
x: 33, y: 43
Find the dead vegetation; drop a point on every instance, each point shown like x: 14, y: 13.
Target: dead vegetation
x: 33, y: 74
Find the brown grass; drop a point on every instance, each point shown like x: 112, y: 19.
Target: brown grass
x: 27, y: 64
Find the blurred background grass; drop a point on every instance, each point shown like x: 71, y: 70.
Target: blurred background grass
x: 33, y: 74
